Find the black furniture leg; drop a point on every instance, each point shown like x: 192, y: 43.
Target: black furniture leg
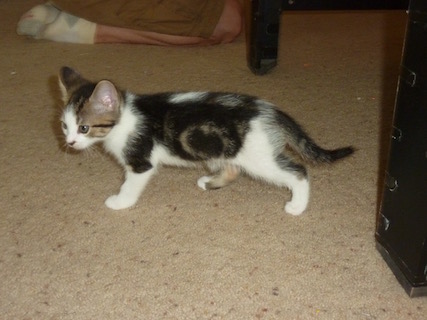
x: 262, y: 33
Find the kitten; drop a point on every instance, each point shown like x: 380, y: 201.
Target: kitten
x: 229, y: 133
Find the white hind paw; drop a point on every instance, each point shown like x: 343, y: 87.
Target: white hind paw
x: 294, y: 209
x: 203, y: 181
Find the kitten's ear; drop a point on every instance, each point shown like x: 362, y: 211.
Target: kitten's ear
x: 68, y: 79
x: 105, y: 97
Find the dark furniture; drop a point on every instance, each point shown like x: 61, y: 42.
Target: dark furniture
x: 263, y: 21
x: 402, y: 223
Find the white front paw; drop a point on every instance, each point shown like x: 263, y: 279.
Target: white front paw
x: 117, y: 203
x: 202, y: 182
x: 294, y: 209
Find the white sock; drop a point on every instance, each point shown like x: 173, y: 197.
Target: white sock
x: 35, y: 19
x: 49, y: 23
x: 69, y: 28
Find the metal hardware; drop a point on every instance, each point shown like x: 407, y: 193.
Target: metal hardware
x: 386, y: 222
x: 409, y: 76
x: 397, y: 134
x: 391, y: 182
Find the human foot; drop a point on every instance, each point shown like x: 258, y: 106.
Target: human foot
x: 47, y: 22
x: 32, y: 22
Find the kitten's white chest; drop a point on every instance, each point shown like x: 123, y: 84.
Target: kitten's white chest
x: 119, y: 136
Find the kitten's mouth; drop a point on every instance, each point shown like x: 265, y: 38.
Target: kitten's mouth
x: 73, y: 145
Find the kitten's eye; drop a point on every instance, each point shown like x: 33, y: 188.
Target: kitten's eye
x: 64, y: 126
x: 83, y: 129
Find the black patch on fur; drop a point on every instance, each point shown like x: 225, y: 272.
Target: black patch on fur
x: 209, y: 144
x: 138, y: 151
x: 167, y: 122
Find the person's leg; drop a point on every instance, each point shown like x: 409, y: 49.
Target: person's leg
x: 228, y: 28
x: 108, y: 34
x: 64, y: 27
x: 230, y: 23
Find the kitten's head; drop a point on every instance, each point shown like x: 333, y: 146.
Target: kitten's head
x: 91, y: 109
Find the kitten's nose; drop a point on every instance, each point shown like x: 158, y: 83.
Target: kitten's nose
x: 71, y: 143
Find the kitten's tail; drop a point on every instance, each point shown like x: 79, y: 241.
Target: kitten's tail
x: 307, y: 148
x: 312, y: 152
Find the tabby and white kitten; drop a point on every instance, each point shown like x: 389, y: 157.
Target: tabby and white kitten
x: 229, y: 133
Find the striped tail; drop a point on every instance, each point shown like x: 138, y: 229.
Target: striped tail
x: 306, y: 147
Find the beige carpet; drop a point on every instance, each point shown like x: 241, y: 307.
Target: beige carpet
x: 182, y: 253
